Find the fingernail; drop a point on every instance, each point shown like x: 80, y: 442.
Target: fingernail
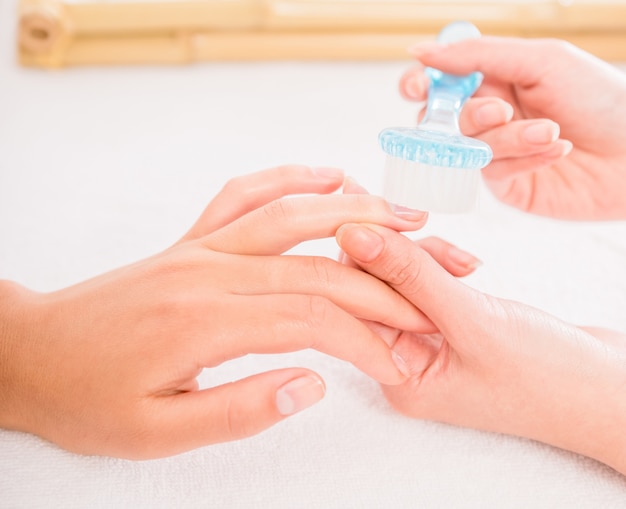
x: 422, y: 48
x: 400, y: 364
x: 351, y: 186
x: 359, y: 242
x: 542, y: 133
x: 407, y: 213
x: 567, y: 147
x: 413, y: 89
x: 299, y: 394
x: 463, y: 258
x: 328, y: 173
x: 494, y: 113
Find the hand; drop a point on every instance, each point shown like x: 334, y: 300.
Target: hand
x: 109, y: 366
x: 493, y: 364
x: 563, y: 153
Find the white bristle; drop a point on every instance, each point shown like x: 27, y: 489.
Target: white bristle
x: 431, y: 188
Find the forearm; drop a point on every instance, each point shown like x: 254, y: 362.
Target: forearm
x: 13, y: 357
x: 606, y: 438
x: 585, y: 411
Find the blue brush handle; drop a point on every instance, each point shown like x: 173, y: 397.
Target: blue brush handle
x: 447, y: 92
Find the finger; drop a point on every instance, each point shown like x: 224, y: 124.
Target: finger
x: 350, y: 186
x: 351, y: 289
x: 503, y: 170
x: 456, y: 261
x: 411, y: 271
x: 414, y: 84
x: 282, y: 224
x: 287, y: 323
x: 232, y: 411
x: 521, y: 138
x: 513, y: 60
x: 478, y: 114
x: 242, y: 194
x: 483, y: 114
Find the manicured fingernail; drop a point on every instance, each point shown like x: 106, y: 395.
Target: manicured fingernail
x: 351, y: 186
x: 567, y: 147
x: 413, y: 89
x: 328, y: 173
x: 359, y: 242
x: 493, y: 113
x: 407, y: 213
x: 299, y: 394
x: 422, y: 48
x: 400, y: 364
x: 463, y: 258
x: 542, y: 133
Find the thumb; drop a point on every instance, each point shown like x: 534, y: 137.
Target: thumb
x: 411, y: 271
x: 237, y: 410
x: 508, y: 59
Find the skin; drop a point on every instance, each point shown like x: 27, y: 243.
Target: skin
x: 554, y: 116
x: 494, y: 364
x: 109, y: 366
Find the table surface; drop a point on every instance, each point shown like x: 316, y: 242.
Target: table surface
x: 103, y: 166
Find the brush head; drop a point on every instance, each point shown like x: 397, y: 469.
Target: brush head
x: 435, y: 148
x: 431, y: 170
x: 433, y: 166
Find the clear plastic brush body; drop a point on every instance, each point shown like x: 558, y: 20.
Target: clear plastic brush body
x: 433, y: 166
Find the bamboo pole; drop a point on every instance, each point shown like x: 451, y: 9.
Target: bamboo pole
x: 54, y: 34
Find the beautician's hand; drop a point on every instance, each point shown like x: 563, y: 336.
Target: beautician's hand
x: 494, y: 364
x: 109, y: 366
x: 560, y: 96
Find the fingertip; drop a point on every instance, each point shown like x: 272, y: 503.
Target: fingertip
x: 351, y: 186
x: 359, y: 242
x: 414, y: 85
x: 541, y: 132
x: 566, y: 147
x: 328, y: 173
x: 299, y: 394
x: 493, y: 112
x: 401, y: 364
x: 464, y: 261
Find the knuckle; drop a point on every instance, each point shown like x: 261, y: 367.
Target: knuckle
x: 322, y: 269
x: 318, y: 311
x: 405, y: 273
x: 279, y: 210
x: 237, y: 422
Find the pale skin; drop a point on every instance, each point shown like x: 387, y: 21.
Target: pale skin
x: 494, y: 364
x: 554, y: 116
x: 109, y: 366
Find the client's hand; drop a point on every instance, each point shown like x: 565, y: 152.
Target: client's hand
x: 563, y: 153
x: 109, y: 365
x: 494, y: 364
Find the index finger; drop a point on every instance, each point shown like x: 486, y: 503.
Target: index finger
x: 283, y: 224
x: 508, y: 59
